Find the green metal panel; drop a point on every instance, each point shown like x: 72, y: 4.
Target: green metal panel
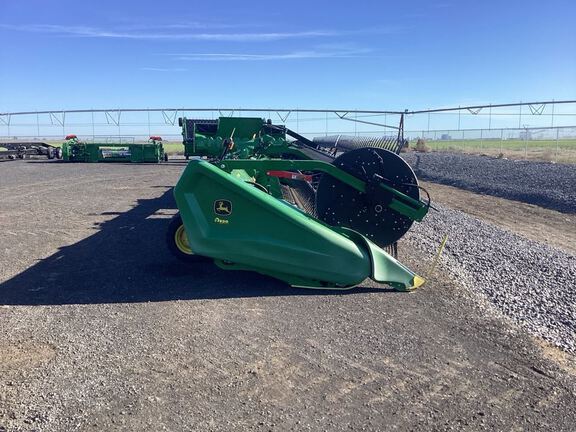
x: 234, y: 222
x: 205, y: 145
x: 66, y: 151
x: 385, y: 268
x: 243, y: 127
x: 75, y: 151
x: 261, y: 232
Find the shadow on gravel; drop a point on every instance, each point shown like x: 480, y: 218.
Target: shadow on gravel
x: 127, y: 261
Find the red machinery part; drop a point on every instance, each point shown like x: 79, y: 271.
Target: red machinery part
x: 71, y: 136
x: 290, y: 175
x: 156, y: 138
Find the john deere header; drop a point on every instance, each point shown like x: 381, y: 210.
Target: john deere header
x: 260, y: 197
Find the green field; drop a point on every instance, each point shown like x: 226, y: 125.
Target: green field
x: 173, y: 148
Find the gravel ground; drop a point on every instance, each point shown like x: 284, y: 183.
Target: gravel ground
x: 101, y: 329
x: 540, y: 224
x: 541, y: 183
x: 530, y: 282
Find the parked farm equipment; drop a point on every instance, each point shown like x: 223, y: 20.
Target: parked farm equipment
x: 24, y: 150
x: 252, y: 199
x: 74, y: 150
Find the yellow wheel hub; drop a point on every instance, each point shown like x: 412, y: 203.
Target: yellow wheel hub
x: 181, y: 241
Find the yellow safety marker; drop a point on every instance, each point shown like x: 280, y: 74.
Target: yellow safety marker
x: 440, y: 249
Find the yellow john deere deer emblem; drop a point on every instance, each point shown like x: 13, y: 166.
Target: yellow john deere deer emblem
x: 223, y: 207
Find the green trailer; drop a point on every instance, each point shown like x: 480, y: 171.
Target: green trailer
x: 252, y: 199
x: 74, y: 150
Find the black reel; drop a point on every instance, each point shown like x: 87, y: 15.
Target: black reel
x: 368, y: 213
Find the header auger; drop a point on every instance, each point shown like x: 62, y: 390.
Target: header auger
x: 251, y: 199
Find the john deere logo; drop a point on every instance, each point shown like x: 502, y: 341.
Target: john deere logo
x: 223, y: 207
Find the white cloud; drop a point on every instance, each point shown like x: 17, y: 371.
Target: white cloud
x: 294, y: 55
x: 155, y: 69
x: 94, y: 32
x: 192, y: 25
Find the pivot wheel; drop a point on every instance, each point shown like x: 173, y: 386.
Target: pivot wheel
x: 368, y: 213
x: 178, y: 242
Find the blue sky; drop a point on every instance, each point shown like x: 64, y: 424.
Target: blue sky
x: 306, y: 54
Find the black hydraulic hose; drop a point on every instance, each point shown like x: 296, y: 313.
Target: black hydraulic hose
x: 289, y: 132
x: 228, y: 143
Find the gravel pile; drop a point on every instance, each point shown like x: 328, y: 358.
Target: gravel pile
x: 530, y: 282
x: 541, y: 183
